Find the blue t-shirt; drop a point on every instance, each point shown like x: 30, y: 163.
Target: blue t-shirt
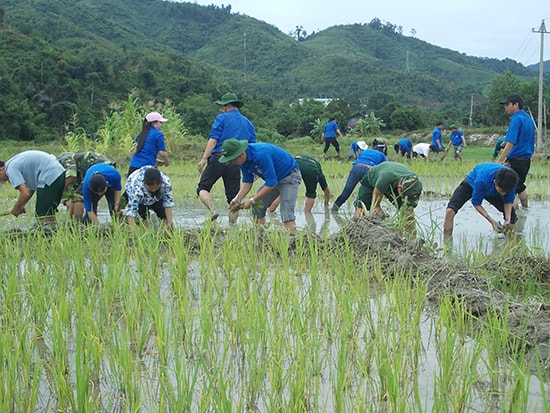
x: 112, y: 176
x: 406, y: 145
x: 267, y: 161
x: 354, y: 148
x: 330, y: 129
x: 456, y: 137
x: 521, y: 133
x: 370, y: 157
x: 154, y: 143
x: 481, y: 179
x: 231, y: 124
x: 436, y: 136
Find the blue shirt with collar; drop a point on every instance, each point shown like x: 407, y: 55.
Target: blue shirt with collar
x: 267, y: 161
x: 405, y: 145
x: 456, y: 137
x: 370, y: 157
x: 330, y: 129
x: 436, y: 135
x: 231, y: 124
x: 521, y: 132
x: 482, y: 181
x: 154, y: 143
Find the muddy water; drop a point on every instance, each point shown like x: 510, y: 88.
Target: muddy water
x: 471, y: 230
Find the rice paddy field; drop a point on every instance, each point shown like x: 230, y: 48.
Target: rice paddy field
x: 212, y: 317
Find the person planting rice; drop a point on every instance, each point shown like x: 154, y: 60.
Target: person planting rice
x: 492, y: 182
x: 276, y: 167
x: 35, y: 171
x: 101, y: 179
x: 76, y: 165
x: 394, y: 181
x: 312, y: 175
x: 366, y: 160
x: 148, y: 188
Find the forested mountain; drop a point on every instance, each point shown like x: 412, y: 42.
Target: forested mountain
x: 65, y: 61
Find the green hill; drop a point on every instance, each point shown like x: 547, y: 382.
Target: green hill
x: 67, y: 59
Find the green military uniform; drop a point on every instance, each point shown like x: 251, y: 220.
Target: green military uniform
x: 312, y: 174
x: 76, y: 165
x: 386, y: 177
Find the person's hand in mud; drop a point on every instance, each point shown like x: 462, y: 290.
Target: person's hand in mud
x: 378, y: 212
x: 235, y: 205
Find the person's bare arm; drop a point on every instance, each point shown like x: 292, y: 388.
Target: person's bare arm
x: 207, y: 151
x: 504, y: 153
x: 25, y: 193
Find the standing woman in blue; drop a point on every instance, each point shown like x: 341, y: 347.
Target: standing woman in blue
x: 150, y: 144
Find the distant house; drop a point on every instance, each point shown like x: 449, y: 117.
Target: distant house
x: 353, y: 120
x: 324, y: 101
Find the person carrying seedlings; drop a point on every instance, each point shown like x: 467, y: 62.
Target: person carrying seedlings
x: 367, y: 159
x: 76, y: 165
x: 403, y: 147
x: 231, y: 123
x: 394, y: 181
x: 329, y: 136
x: 519, y: 143
x: 148, y: 188
x: 312, y: 175
x: 487, y: 181
x: 35, y: 171
x: 457, y: 139
x: 276, y: 167
x: 101, y: 179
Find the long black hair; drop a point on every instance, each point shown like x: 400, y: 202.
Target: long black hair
x: 145, y: 128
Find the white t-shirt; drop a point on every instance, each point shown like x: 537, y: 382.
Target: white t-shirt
x: 422, y: 149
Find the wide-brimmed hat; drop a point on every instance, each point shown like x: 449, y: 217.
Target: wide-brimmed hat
x: 411, y: 190
x: 362, y: 145
x: 231, y: 149
x: 230, y: 98
x: 155, y: 117
x: 452, y: 127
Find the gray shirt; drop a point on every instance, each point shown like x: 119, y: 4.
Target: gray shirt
x: 35, y: 169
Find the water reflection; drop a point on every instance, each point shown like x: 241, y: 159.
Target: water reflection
x: 471, y: 231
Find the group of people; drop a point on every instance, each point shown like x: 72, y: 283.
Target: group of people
x: 80, y: 180
x: 405, y: 148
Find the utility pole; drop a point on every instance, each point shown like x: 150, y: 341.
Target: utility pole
x: 471, y: 110
x: 542, y: 32
x: 244, y: 56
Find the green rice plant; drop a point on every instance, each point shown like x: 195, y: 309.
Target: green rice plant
x: 458, y: 359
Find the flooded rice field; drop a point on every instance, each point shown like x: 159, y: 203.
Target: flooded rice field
x: 269, y: 324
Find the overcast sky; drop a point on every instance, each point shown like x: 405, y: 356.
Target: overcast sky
x: 483, y: 28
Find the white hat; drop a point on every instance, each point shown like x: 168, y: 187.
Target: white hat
x: 362, y: 145
x: 155, y: 117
